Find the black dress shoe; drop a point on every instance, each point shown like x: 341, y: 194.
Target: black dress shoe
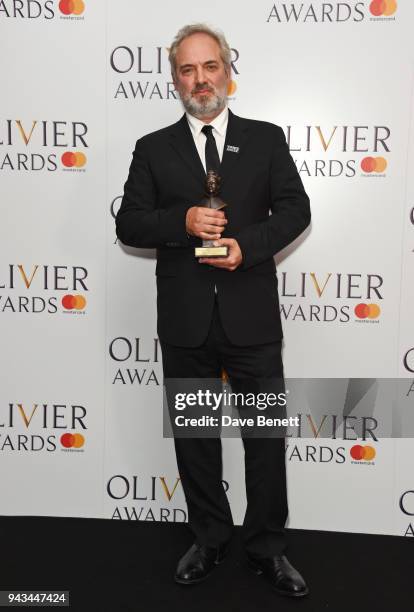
x: 198, y: 562
x: 280, y: 574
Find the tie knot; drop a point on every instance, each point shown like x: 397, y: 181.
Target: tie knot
x: 207, y: 130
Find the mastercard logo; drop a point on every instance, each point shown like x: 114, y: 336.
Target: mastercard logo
x: 383, y: 7
x: 373, y: 164
x: 73, y: 302
x: 71, y: 7
x: 367, y: 311
x: 362, y: 453
x: 231, y: 89
x: 69, y: 440
x: 71, y: 160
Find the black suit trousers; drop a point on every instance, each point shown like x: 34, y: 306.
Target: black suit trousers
x: 200, y: 459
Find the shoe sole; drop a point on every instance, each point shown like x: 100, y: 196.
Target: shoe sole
x: 259, y: 572
x: 197, y: 580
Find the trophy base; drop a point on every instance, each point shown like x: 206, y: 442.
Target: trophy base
x: 212, y: 251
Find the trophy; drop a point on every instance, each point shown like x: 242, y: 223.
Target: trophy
x: 212, y: 187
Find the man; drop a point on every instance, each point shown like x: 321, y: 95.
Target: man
x: 216, y: 313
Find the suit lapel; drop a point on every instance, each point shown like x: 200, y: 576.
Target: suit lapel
x: 234, y: 146
x: 182, y: 142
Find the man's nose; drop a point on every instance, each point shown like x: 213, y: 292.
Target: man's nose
x: 201, y: 78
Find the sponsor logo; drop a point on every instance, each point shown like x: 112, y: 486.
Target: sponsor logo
x: 330, y: 297
x: 38, y: 428
x: 139, y: 358
x: 37, y: 145
x: 38, y: 289
x: 333, y: 427
x: 383, y: 8
x: 318, y: 437
x: 73, y: 160
x: 362, y: 454
x: 71, y: 7
x: 73, y: 302
x: 72, y: 441
x: 232, y: 88
x: 338, y: 150
x: 152, y: 64
x: 331, y: 12
x: 374, y: 166
x: 329, y: 453
x: 367, y: 311
x: 39, y: 9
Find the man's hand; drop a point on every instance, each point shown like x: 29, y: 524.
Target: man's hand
x: 233, y: 259
x: 205, y: 223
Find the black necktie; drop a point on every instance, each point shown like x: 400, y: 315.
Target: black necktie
x: 212, y: 156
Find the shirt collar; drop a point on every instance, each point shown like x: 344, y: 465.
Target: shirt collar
x: 219, y: 123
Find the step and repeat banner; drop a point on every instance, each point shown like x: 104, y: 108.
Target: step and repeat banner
x: 81, y: 393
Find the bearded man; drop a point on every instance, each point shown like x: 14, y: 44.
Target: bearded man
x: 218, y: 313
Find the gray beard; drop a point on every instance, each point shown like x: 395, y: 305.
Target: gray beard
x: 206, y: 106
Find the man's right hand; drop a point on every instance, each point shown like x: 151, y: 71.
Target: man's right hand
x: 205, y: 223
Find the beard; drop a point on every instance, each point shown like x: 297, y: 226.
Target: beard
x: 204, y: 105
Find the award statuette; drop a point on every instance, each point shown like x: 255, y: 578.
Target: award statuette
x: 212, y: 187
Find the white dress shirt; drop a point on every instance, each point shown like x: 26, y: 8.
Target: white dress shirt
x: 219, y: 125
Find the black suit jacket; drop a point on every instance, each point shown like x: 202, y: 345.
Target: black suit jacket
x: 166, y: 178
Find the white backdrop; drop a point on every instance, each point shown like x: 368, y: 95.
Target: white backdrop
x: 81, y: 396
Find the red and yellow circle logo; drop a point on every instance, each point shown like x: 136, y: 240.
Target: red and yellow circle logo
x: 362, y: 453
x: 73, y: 302
x: 71, y: 160
x: 69, y: 440
x: 384, y: 8
x: 231, y: 88
x: 71, y: 7
x: 367, y: 311
x: 373, y: 164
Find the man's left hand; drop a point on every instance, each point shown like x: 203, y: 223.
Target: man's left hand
x: 233, y: 259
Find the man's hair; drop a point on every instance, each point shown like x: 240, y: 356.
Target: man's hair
x: 195, y: 28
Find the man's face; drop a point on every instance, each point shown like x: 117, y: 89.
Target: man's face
x: 201, y: 77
